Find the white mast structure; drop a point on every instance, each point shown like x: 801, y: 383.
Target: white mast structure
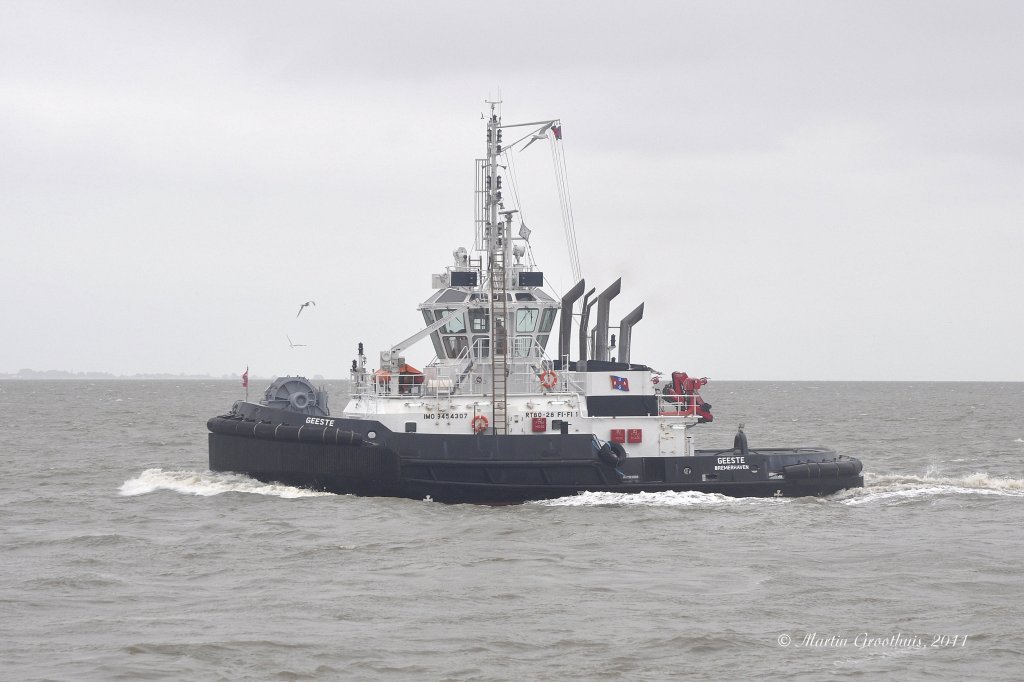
x: 497, y: 235
x: 510, y: 355
x: 494, y: 238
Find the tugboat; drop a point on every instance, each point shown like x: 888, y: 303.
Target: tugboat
x: 496, y: 419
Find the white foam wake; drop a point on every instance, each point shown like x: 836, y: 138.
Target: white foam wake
x: 207, y: 483
x: 878, y: 488
x: 688, y: 498
x: 901, y: 487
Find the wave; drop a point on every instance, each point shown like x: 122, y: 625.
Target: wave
x: 687, y: 498
x: 207, y: 483
x: 902, y: 487
x: 877, y: 488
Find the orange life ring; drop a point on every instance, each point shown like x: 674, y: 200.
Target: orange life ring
x: 548, y: 379
x: 479, y: 423
x: 655, y: 379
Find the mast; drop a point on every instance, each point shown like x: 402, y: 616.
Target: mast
x: 497, y: 239
x: 494, y: 239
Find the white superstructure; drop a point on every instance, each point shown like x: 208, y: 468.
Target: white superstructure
x: 490, y: 323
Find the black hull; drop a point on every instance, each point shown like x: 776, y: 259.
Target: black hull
x: 491, y: 469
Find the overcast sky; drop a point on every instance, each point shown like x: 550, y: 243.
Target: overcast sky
x: 797, y: 190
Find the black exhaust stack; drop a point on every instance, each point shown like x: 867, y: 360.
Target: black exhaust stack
x: 626, y: 331
x: 565, y: 322
x: 604, y: 302
x: 584, y: 321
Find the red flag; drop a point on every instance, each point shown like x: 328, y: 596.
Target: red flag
x: 245, y: 378
x: 557, y: 130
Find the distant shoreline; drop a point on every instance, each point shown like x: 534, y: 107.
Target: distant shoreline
x: 61, y: 375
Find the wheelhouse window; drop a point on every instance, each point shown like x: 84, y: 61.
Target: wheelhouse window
x: 526, y: 319
x: 481, y: 346
x: 435, y: 339
x: 523, y: 346
x: 451, y: 296
x: 479, y: 319
x: 547, y: 319
x: 455, y: 345
x: 456, y: 325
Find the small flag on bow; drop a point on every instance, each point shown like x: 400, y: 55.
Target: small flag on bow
x: 245, y: 378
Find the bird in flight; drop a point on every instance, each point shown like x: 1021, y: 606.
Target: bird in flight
x: 292, y: 345
x: 307, y: 303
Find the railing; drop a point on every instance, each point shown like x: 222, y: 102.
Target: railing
x: 675, y: 405
x: 468, y: 377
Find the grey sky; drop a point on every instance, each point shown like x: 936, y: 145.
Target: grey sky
x: 798, y: 190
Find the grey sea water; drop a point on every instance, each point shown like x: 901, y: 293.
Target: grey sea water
x: 123, y: 557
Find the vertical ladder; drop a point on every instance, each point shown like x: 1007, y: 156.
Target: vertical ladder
x: 478, y: 265
x: 499, y: 343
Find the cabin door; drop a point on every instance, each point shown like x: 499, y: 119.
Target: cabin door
x: 673, y: 440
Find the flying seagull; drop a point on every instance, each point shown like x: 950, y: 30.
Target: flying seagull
x: 303, y: 306
x: 292, y: 345
x: 541, y: 134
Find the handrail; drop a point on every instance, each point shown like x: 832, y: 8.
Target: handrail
x: 679, y: 405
